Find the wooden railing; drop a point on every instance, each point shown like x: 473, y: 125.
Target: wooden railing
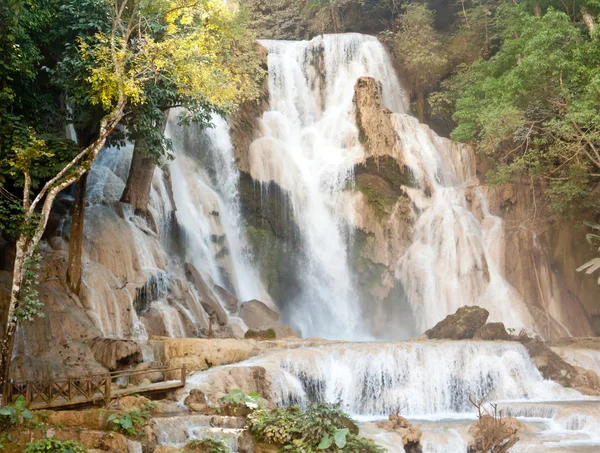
x: 89, y: 389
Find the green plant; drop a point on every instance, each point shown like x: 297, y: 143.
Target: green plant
x: 15, y: 414
x: 207, y: 445
x: 318, y: 427
x: 53, y: 445
x: 236, y: 397
x: 128, y: 423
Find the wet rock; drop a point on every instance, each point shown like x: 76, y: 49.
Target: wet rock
x: 112, y: 353
x: 200, y: 354
x: 552, y: 366
x: 246, y: 443
x: 494, y: 435
x: 257, y: 315
x: 492, y: 331
x: 207, y: 298
x: 462, y: 325
x: 411, y: 435
x: 228, y: 299
x: 283, y: 331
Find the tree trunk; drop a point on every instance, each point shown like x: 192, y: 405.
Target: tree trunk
x: 537, y: 10
x: 26, y: 245
x: 8, y: 339
x: 588, y: 19
x: 139, y: 180
x: 76, y: 239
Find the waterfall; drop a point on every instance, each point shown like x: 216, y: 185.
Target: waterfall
x: 416, y: 379
x: 453, y: 259
x: 309, y: 146
x: 205, y: 188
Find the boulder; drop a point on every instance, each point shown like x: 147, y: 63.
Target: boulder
x: 494, y: 434
x: 462, y: 325
x: 133, y: 403
x: 93, y: 419
x: 492, y: 331
x: 257, y: 315
x: 111, y: 353
x: 283, y: 331
x: 411, y: 435
x: 207, y: 299
x: 552, y: 366
x: 228, y: 299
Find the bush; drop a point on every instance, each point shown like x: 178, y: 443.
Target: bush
x: 55, y: 446
x: 128, y: 423
x: 14, y: 414
x: 207, y: 445
x: 318, y: 427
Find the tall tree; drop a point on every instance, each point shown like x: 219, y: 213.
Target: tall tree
x: 180, y: 41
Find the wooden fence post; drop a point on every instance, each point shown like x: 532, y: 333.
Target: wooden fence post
x: 28, y: 393
x: 107, y: 391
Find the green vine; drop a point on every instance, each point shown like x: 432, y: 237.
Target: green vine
x: 30, y: 307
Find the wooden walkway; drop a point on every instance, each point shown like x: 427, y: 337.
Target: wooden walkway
x: 91, y: 389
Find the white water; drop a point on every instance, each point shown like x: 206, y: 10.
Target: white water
x: 453, y: 259
x: 205, y: 188
x: 309, y: 146
x: 417, y: 379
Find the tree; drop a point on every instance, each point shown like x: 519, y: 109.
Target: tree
x: 534, y: 105
x: 420, y: 51
x: 183, y: 42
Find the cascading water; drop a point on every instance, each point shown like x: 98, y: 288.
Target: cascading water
x: 309, y: 146
x: 205, y: 188
x: 453, y: 259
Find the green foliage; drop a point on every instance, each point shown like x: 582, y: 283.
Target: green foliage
x: 29, y: 306
x: 533, y: 106
x: 129, y: 423
x: 53, y: 445
x: 319, y: 427
x: 237, y: 397
x: 15, y: 414
x: 207, y: 445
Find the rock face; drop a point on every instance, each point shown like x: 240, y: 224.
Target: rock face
x: 207, y: 299
x: 112, y: 353
x: 257, y: 315
x: 492, y: 331
x: 552, y: 366
x: 462, y: 325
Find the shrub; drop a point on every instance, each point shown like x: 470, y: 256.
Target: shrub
x: 207, y: 445
x: 128, y: 423
x: 318, y: 427
x: 53, y: 445
x: 15, y: 414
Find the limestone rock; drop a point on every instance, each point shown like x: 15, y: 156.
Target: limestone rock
x: 257, y: 315
x: 167, y: 449
x: 228, y: 299
x: 462, y: 325
x: 494, y: 435
x: 208, y: 300
x: 111, y: 353
x: 156, y: 376
x: 200, y: 354
x: 133, y: 403
x: 283, y: 331
x: 411, y: 435
x: 93, y: 419
x: 552, y: 366
x: 492, y: 331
